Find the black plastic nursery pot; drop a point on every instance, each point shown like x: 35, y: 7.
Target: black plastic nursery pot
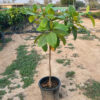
x: 50, y: 93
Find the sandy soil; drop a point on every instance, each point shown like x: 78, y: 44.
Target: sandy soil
x: 89, y: 59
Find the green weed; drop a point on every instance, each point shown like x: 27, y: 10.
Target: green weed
x: 92, y: 90
x: 26, y: 63
x: 2, y: 92
x: 70, y: 46
x: 75, y: 55
x: 59, y: 51
x: 87, y: 37
x: 60, y: 61
x: 70, y: 74
x: 4, y: 82
x: 67, y: 62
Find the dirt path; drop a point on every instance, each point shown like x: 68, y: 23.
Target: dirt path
x: 85, y: 65
x: 8, y: 54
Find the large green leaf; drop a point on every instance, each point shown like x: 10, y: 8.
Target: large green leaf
x: 74, y: 31
x: 48, y: 7
x: 31, y: 19
x: 45, y: 48
x: 61, y: 17
x: 62, y: 39
x: 58, y: 26
x: 30, y: 13
x: 51, y: 11
x: 42, y: 40
x: 52, y: 39
x: 58, y: 42
x: 43, y: 25
x: 37, y: 38
x: 92, y: 19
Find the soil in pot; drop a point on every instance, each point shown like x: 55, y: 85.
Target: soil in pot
x: 45, y: 84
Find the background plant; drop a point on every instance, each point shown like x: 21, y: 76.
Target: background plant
x: 68, y: 2
x: 12, y: 17
x: 79, y: 4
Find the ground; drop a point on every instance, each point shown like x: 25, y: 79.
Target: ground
x: 80, y: 56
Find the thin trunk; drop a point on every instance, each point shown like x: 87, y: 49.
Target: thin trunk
x: 50, y: 84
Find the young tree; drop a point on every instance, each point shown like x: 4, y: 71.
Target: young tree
x: 52, y: 31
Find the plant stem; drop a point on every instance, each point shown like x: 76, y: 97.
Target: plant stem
x: 50, y: 84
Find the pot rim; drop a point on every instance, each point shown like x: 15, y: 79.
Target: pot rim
x: 51, y: 89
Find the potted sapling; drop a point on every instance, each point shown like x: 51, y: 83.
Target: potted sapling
x: 54, y: 27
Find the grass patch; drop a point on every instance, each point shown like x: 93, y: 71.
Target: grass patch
x: 2, y: 92
x: 4, y: 82
x: 25, y: 63
x: 87, y: 37
x: 80, y: 66
x: 72, y: 90
x: 92, y: 90
x: 64, y: 86
x: 67, y: 62
x: 70, y: 46
x: 7, y: 40
x: 21, y: 96
x: 60, y: 61
x: 75, y: 55
x: 83, y: 31
x: 13, y: 88
x: 70, y: 74
x: 59, y: 51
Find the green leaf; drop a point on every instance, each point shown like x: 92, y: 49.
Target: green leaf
x: 37, y: 38
x: 62, y: 27
x: 31, y: 19
x: 58, y: 42
x: 52, y: 39
x: 44, y: 23
x: 87, y: 9
x: 48, y: 7
x: 35, y: 7
x: 92, y: 19
x: 71, y: 10
x: 74, y: 31
x: 62, y: 39
x: 51, y: 11
x: 61, y: 17
x: 42, y: 40
x: 30, y: 13
x: 80, y: 26
x: 45, y: 48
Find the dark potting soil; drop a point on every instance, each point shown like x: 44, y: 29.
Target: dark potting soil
x: 45, y: 84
